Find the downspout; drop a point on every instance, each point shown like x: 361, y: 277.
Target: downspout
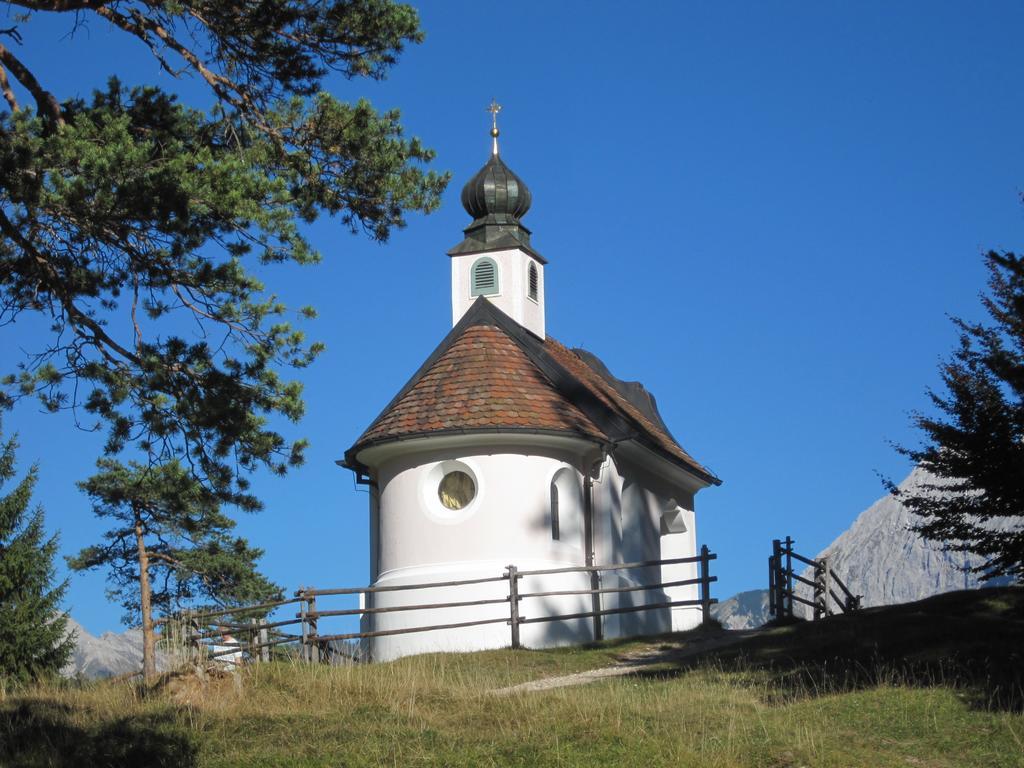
x: 368, y: 599
x: 368, y: 621
x: 588, y: 535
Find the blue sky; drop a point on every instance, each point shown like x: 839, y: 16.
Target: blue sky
x: 764, y: 212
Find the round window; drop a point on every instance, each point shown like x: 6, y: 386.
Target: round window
x: 456, y: 490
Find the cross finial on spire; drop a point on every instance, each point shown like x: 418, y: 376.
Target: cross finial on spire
x: 494, y: 109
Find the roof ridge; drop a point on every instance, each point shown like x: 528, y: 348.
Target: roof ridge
x: 598, y: 410
x: 511, y: 403
x: 635, y: 414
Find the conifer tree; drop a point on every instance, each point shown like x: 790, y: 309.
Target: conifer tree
x: 169, y: 547
x: 34, y: 641
x: 133, y: 225
x: 974, y: 446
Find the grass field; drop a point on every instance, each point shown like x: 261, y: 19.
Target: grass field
x: 931, y: 684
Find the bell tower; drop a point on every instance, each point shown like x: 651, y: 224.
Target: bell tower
x: 496, y: 260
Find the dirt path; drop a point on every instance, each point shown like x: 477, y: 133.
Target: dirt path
x: 632, y: 663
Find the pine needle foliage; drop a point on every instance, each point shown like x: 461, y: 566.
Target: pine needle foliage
x: 34, y: 641
x: 134, y: 227
x: 168, y: 546
x: 974, y: 445
x: 133, y: 224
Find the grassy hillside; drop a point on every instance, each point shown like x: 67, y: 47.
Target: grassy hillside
x: 925, y: 685
x: 971, y: 640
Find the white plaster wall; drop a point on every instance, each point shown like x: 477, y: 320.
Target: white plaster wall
x: 508, y: 522
x: 496, y: 634
x: 571, y: 526
x: 607, y: 498
x: 512, y: 298
x: 682, y: 544
x: 637, y: 517
x: 629, y: 504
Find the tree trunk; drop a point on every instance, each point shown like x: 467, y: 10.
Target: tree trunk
x: 145, y: 603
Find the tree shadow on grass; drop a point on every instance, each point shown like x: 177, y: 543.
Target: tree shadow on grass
x: 41, y: 733
x: 972, y: 641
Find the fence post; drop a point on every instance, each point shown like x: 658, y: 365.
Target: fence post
x: 780, y: 609
x: 789, y: 576
x: 185, y: 628
x: 828, y: 585
x: 304, y: 652
x: 195, y: 638
x: 264, y: 639
x: 705, y: 585
x: 254, y: 634
x: 595, y: 605
x: 771, y: 585
x: 314, y: 645
x: 820, y: 596
x: 513, y: 600
x: 366, y: 624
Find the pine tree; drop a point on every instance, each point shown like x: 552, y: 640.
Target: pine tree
x: 34, y: 641
x: 974, y: 446
x: 132, y: 225
x: 169, y: 547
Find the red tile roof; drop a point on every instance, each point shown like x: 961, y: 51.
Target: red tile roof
x: 483, y: 380
x: 611, y: 397
x: 490, y: 374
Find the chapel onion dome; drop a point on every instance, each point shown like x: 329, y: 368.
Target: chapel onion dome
x: 496, y: 191
x: 497, y: 199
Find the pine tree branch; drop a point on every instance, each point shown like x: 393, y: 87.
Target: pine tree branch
x: 13, y: 33
x: 9, y: 96
x: 167, y: 559
x: 46, y: 103
x: 59, y: 6
x: 140, y: 26
x: 76, y: 315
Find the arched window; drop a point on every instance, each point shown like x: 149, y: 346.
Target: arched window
x: 484, y: 277
x: 567, y: 507
x: 533, y: 281
x: 555, y: 532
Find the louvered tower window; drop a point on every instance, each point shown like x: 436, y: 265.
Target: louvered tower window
x: 484, y: 277
x: 533, y: 280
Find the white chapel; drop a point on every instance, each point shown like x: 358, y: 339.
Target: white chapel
x: 507, y: 447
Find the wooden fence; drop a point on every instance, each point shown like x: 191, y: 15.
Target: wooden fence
x: 781, y: 578
x: 232, y: 635
x: 221, y: 634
